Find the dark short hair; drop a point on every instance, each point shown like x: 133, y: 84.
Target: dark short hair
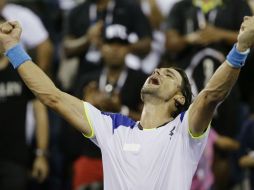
x: 186, y: 91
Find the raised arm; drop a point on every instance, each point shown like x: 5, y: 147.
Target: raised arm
x: 221, y: 83
x: 69, y: 107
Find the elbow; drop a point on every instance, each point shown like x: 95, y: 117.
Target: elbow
x: 51, y: 100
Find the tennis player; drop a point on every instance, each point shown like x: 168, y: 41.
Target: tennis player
x: 162, y: 150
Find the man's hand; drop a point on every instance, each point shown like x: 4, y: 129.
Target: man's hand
x: 210, y: 34
x: 40, y: 168
x: 246, y: 34
x: 101, y: 100
x: 10, y: 33
x: 94, y: 33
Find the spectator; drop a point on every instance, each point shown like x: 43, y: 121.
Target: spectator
x: 14, y: 152
x: 40, y: 43
x: 87, y: 20
x: 154, y: 15
x: 204, y: 177
x: 246, y: 160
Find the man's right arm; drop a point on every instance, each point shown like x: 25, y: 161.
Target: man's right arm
x: 69, y: 107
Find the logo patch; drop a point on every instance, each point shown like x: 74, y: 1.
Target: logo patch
x: 131, y: 147
x: 172, y: 132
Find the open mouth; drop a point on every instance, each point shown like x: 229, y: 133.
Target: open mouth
x: 154, y: 81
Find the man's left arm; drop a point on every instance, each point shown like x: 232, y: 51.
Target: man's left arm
x: 221, y: 83
x: 40, y: 168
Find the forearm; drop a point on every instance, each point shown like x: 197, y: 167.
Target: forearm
x: 75, y: 47
x: 156, y: 17
x: 227, y: 143
x: 246, y: 161
x: 42, y: 126
x: 229, y: 36
x: 175, y: 42
x: 44, y: 55
x: 141, y: 48
x: 69, y: 107
x: 39, y: 83
x: 221, y: 83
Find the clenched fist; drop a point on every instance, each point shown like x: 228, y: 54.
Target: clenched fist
x: 246, y: 34
x: 9, y: 35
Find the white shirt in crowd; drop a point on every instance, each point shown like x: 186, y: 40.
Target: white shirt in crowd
x: 33, y: 33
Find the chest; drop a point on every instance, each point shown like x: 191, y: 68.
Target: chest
x: 144, y: 149
x: 195, y: 20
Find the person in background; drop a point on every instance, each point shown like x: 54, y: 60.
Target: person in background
x: 156, y: 11
x: 204, y: 177
x: 40, y: 43
x: 15, y: 167
x: 35, y: 38
x: 246, y: 153
x: 85, y: 25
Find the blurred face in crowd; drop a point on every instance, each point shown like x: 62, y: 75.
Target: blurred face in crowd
x: 2, y: 3
x: 164, y: 84
x: 113, y: 54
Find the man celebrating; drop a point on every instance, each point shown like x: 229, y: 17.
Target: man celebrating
x: 166, y: 155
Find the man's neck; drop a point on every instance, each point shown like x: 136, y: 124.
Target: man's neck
x: 2, y: 4
x: 155, y: 115
x: 102, y: 4
x: 113, y: 74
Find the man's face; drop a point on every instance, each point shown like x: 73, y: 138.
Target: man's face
x: 113, y: 54
x: 164, y: 83
x: 2, y: 3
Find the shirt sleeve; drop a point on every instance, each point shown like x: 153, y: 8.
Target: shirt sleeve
x: 194, y: 145
x: 104, y: 124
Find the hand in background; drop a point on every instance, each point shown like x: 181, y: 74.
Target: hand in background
x: 40, y: 169
x: 210, y: 34
x: 102, y: 100
x: 94, y: 33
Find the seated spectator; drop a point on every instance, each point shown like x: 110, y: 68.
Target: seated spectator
x: 15, y: 160
x: 204, y: 177
x: 85, y: 25
x: 246, y: 160
x: 32, y: 25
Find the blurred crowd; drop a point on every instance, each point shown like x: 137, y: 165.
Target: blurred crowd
x: 102, y: 51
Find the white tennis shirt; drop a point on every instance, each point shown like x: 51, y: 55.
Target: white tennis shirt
x: 163, y: 158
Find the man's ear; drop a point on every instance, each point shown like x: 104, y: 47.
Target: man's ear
x: 179, y: 100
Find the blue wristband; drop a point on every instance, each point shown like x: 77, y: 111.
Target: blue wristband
x: 237, y: 59
x: 17, y: 55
